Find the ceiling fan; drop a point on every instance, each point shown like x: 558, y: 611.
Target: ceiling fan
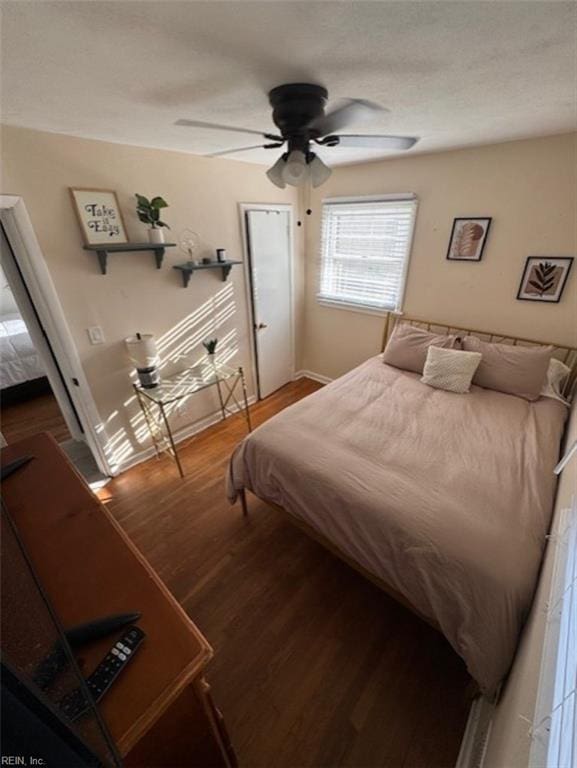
x: 299, y: 114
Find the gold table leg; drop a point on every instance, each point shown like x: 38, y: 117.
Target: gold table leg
x: 173, y: 451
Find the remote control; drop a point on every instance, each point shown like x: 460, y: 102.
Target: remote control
x: 56, y: 661
x: 74, y: 704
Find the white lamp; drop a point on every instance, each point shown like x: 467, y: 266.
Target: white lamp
x: 295, y: 171
x: 144, y: 356
x: 296, y: 168
x: 319, y: 171
x: 275, y: 173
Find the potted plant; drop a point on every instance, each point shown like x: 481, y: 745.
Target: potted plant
x: 148, y: 212
x: 210, y: 346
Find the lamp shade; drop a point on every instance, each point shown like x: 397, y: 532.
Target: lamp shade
x: 142, y: 350
x: 319, y: 171
x: 295, y: 171
x: 275, y: 172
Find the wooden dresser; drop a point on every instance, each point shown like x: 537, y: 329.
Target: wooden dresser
x: 160, y: 712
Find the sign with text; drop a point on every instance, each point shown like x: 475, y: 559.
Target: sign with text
x: 99, y: 216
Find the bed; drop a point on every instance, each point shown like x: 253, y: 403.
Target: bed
x: 442, y: 500
x: 20, y: 361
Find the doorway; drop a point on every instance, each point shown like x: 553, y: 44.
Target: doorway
x: 28, y: 404
x: 269, y: 265
x: 43, y: 385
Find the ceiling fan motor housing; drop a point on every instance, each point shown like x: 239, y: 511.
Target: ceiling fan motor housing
x: 295, y: 107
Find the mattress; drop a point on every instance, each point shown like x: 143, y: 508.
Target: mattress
x: 19, y: 360
x: 446, y: 498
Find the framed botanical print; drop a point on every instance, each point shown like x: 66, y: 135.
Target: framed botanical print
x: 99, y: 216
x: 468, y: 238
x: 544, y: 278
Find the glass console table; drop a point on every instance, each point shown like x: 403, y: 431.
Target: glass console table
x: 155, y: 402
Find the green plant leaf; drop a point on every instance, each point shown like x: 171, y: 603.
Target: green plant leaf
x: 158, y: 202
x: 144, y: 217
x: 143, y: 201
x: 162, y: 224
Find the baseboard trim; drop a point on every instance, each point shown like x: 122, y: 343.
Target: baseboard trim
x: 182, y: 434
x: 476, y: 736
x: 304, y: 374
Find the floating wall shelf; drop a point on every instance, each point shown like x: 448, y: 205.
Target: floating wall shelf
x: 102, y: 250
x: 188, y: 268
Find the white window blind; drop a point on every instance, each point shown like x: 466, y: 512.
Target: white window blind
x: 554, y: 730
x: 365, y: 251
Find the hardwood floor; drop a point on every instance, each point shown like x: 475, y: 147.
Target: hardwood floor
x: 39, y: 414
x: 313, y: 666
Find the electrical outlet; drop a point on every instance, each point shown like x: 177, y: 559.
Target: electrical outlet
x: 95, y: 334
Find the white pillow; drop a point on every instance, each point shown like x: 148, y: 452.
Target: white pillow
x: 450, y: 369
x: 557, y: 374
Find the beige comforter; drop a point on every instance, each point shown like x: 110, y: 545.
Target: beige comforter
x: 447, y: 498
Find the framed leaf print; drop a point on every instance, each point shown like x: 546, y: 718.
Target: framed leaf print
x: 99, y: 216
x: 468, y: 238
x: 544, y: 278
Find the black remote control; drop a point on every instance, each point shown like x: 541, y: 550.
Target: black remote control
x: 74, y: 704
x: 57, y: 661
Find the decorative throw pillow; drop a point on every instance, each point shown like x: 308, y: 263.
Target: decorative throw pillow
x: 515, y: 370
x: 557, y: 375
x: 450, y: 369
x: 408, y: 346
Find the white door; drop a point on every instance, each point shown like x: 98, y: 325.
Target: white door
x: 269, y: 249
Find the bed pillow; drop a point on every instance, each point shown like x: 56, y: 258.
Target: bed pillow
x: 515, y: 370
x: 557, y: 375
x: 408, y: 345
x: 450, y: 369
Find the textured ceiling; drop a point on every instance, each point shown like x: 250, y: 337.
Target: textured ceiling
x: 453, y: 73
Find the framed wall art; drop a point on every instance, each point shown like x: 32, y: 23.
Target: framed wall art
x: 99, y: 216
x: 468, y: 238
x: 544, y: 278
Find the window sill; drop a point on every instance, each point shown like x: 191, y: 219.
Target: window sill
x: 361, y: 309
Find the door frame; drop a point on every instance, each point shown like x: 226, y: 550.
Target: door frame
x: 76, y: 396
x: 244, y: 208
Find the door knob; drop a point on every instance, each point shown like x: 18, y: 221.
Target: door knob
x: 261, y: 326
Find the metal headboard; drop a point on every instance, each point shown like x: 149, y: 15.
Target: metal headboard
x: 567, y: 355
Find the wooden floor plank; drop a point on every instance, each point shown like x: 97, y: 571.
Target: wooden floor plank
x: 39, y: 414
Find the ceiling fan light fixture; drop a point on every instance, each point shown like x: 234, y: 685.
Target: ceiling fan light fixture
x: 295, y: 171
x: 275, y: 172
x: 319, y: 172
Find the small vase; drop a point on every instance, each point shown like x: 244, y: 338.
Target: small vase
x: 155, y: 235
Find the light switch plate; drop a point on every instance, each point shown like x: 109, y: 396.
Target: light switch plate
x: 95, y: 334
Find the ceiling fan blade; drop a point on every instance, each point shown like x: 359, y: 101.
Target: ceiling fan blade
x: 354, y: 110
x: 219, y: 127
x: 377, y: 142
x: 238, y: 149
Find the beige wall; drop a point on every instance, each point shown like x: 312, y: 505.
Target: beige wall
x: 509, y: 742
x: 530, y: 190
x: 203, y: 194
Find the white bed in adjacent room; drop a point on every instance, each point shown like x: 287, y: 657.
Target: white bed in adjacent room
x: 19, y: 360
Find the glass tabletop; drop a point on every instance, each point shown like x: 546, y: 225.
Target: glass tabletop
x: 188, y: 381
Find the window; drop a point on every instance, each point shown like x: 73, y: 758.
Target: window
x: 365, y: 251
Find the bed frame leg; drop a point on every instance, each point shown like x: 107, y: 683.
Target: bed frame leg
x: 243, y: 504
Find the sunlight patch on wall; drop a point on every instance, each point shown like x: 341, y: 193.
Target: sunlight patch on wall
x: 180, y: 348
